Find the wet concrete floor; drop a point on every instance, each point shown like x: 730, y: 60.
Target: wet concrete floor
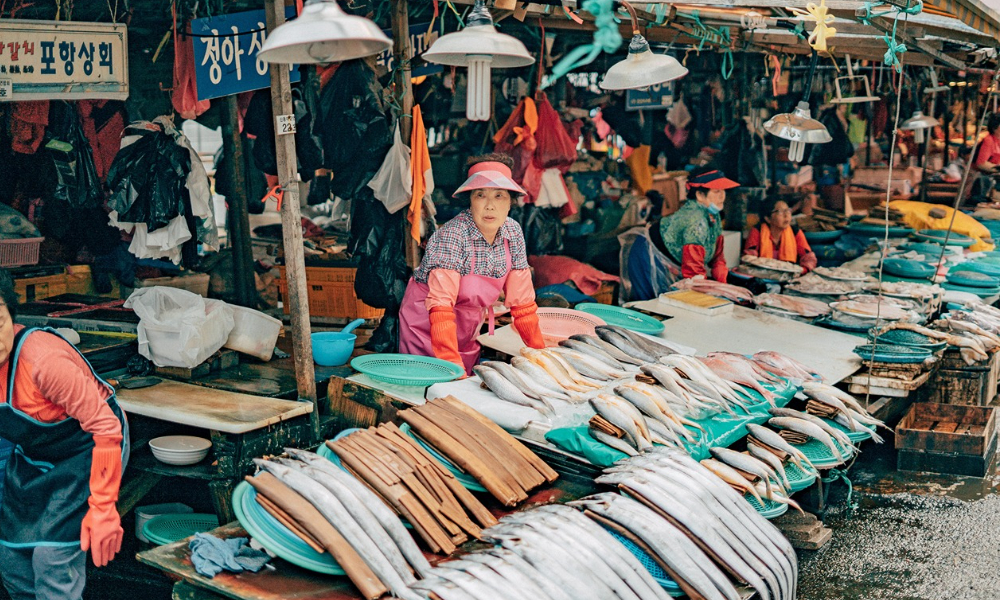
x: 907, y: 536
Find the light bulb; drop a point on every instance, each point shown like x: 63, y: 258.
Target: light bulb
x: 796, y: 151
x: 478, y: 93
x: 918, y: 136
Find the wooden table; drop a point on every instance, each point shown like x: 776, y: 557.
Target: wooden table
x: 241, y: 427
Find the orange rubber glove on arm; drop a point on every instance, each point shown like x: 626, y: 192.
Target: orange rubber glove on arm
x: 519, y: 295
x: 101, y: 530
x: 444, y: 335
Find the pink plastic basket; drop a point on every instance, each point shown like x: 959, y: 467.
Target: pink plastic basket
x: 20, y: 252
x: 558, y: 324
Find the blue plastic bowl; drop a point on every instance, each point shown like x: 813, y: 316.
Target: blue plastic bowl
x: 332, y: 348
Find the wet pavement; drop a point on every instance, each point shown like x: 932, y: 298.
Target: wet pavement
x: 908, y: 536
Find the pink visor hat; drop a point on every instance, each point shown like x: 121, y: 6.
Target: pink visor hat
x: 489, y: 175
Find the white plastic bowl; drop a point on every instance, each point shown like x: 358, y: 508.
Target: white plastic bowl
x: 180, y: 449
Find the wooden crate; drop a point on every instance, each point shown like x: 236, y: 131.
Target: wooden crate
x: 957, y: 383
x: 38, y: 288
x: 946, y: 438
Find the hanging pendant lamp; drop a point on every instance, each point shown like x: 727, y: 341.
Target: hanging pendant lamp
x: 919, y: 123
x: 641, y: 68
x: 798, y: 126
x: 481, y: 48
x: 323, y: 33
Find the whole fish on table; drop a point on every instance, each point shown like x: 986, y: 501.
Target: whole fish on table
x: 737, y: 373
x: 771, y: 439
x: 502, y: 588
x: 625, y: 344
x: 762, y: 374
x: 589, y: 366
x: 770, y: 459
x: 835, y: 433
x: 747, y: 464
x: 543, y: 378
x: 807, y: 429
x: 859, y: 414
x: 508, y: 392
x: 527, y: 386
x: 609, y: 349
x: 334, y: 511
x: 787, y: 367
x: 617, y: 443
x: 624, y: 416
x: 731, y: 476
x: 647, y: 399
x: 780, y: 498
x: 670, y: 380
x: 512, y: 576
x: 657, y: 347
x: 510, y: 562
x: 596, y: 353
x: 699, y: 373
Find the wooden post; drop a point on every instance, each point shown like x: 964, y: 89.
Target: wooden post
x: 238, y: 217
x: 403, y: 88
x: 291, y: 226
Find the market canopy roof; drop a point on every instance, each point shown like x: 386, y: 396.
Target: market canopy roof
x: 981, y: 15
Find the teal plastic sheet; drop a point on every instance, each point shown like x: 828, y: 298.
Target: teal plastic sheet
x: 722, y: 430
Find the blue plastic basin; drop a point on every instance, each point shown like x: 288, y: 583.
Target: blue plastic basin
x: 332, y: 348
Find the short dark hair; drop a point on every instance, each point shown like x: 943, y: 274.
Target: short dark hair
x: 993, y: 122
x: 499, y: 157
x: 767, y: 206
x: 7, y: 293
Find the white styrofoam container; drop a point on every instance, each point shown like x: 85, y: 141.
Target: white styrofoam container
x: 144, y: 513
x: 254, y: 332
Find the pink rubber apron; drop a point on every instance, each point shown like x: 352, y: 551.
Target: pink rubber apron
x: 476, y: 296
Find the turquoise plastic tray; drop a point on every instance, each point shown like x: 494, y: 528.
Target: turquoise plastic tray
x: 937, y: 236
x: 972, y: 279
x: 823, y: 237
x: 622, y: 317
x: 276, y: 537
x: 926, y: 248
x: 889, y: 353
x: 659, y: 575
x: 902, y: 267
x: 820, y: 455
x: 979, y: 291
x: 979, y: 266
x: 797, y: 478
x: 769, y: 510
x: 903, y: 337
x: 855, y: 436
x: 407, y: 369
x: 167, y: 529
x: 878, y: 230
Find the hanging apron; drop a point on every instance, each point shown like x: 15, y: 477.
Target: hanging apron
x: 48, y: 475
x: 476, y: 296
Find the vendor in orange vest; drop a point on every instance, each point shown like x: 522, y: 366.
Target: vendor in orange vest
x: 777, y: 237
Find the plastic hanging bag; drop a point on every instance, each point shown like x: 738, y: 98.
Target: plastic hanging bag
x: 178, y: 328
x: 556, y: 149
x: 393, y: 183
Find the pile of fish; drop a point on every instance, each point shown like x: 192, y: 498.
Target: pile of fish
x: 715, y: 288
x: 347, y: 519
x: 552, y: 552
x: 842, y: 408
x: 804, y: 307
x: 960, y: 330
x: 697, y: 529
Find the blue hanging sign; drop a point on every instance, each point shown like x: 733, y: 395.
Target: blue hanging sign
x: 225, y: 53
x: 654, y: 97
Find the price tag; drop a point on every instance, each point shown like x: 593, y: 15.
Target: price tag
x: 286, y: 124
x: 6, y: 89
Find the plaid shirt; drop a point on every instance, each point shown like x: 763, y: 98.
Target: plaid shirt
x: 454, y: 244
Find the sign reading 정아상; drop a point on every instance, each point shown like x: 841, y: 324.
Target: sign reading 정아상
x: 225, y: 53
x: 47, y: 60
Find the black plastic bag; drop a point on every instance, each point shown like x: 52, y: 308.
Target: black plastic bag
x: 837, y: 151
x: 543, y: 231
x: 148, y: 179
x: 259, y: 122
x: 741, y: 157
x: 378, y: 239
x: 77, y: 182
x: 355, y: 128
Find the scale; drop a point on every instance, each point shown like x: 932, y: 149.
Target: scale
x: 934, y: 87
x: 857, y: 85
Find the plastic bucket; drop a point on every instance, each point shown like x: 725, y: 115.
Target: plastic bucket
x: 144, y: 513
x: 332, y: 348
x: 253, y: 333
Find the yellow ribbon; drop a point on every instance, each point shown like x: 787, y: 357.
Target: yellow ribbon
x: 822, y: 18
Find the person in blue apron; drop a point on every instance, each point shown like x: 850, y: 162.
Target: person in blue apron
x: 61, y: 482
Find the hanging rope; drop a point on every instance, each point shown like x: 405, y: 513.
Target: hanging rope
x: 607, y: 39
x: 821, y: 16
x: 895, y: 49
x: 837, y: 474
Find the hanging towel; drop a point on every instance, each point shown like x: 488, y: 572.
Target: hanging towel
x: 27, y: 125
x: 420, y: 167
x: 185, y: 94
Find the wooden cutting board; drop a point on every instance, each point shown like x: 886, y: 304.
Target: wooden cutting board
x: 217, y: 410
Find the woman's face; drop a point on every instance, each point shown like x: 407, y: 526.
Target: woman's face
x: 711, y: 197
x: 780, y: 217
x: 6, y: 333
x: 489, y: 209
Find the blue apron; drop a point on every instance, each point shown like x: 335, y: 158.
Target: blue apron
x: 47, y: 479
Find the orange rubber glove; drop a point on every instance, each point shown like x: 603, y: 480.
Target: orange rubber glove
x: 101, y: 530
x: 444, y: 335
x: 526, y: 324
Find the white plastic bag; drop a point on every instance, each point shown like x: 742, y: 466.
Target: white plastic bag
x: 178, y: 328
x: 393, y: 183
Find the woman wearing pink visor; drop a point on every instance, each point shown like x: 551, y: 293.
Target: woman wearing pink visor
x: 468, y: 263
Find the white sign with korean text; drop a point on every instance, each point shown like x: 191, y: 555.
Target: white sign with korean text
x: 63, y: 60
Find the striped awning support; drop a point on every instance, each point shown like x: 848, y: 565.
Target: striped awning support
x: 973, y: 13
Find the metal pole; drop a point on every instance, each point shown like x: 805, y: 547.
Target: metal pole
x: 238, y: 218
x: 291, y: 226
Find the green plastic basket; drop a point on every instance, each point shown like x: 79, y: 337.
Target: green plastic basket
x: 903, y: 337
x: 769, y: 510
x: 167, y: 529
x: 407, y: 369
x: 855, y: 436
x: 799, y: 479
x: 820, y: 455
x: 622, y: 317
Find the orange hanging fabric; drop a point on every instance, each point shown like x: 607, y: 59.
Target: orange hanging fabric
x: 185, y: 93
x: 787, y: 246
x: 420, y: 167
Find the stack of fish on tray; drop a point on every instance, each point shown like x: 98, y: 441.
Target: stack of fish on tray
x: 715, y: 288
x: 975, y: 333
x: 804, y: 307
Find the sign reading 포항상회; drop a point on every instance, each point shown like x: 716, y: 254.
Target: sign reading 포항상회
x: 46, y: 60
x: 225, y: 53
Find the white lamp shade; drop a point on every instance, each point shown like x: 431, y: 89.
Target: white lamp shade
x: 919, y: 121
x: 455, y: 48
x: 798, y: 126
x: 642, y: 68
x: 323, y: 33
